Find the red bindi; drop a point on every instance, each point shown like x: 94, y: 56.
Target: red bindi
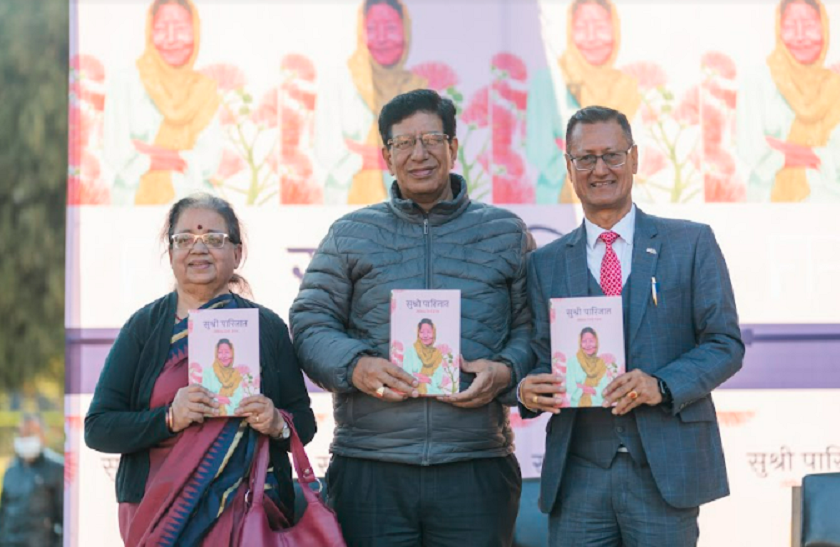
x: 200, y: 226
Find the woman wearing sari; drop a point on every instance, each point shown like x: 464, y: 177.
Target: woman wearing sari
x: 162, y: 137
x: 348, y: 148
x: 789, y: 114
x: 184, y: 471
x: 587, y: 372
x: 584, y: 75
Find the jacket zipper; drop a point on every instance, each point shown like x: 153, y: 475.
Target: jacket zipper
x: 428, y: 240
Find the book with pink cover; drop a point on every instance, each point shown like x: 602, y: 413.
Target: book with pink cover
x: 426, y: 338
x: 587, y: 346
x: 224, y: 354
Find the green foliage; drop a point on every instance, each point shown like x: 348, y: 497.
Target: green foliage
x: 34, y: 38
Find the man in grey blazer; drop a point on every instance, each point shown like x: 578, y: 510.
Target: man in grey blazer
x: 634, y: 472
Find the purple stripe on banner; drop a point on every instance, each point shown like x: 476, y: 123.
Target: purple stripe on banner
x: 778, y: 357
x: 85, y: 354
x: 789, y: 357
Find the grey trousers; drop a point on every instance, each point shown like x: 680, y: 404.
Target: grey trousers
x: 617, y: 507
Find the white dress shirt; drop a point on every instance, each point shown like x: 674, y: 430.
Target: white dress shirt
x: 623, y: 246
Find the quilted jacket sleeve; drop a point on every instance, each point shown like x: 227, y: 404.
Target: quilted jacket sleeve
x: 319, y: 319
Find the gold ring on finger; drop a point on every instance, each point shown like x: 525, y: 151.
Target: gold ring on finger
x: 633, y: 395
x: 534, y: 399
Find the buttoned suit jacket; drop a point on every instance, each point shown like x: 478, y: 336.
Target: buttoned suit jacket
x: 689, y: 338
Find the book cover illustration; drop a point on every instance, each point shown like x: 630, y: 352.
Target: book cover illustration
x: 587, y: 346
x: 224, y: 354
x: 426, y: 338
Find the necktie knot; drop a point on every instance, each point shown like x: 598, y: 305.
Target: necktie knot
x: 608, y: 237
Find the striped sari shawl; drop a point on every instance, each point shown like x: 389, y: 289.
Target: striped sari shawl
x: 197, y: 497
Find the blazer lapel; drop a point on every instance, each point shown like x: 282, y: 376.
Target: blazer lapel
x: 577, y: 268
x: 646, y: 248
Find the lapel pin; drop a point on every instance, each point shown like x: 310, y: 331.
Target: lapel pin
x: 651, y: 250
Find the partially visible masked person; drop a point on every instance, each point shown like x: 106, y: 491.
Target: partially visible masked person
x: 32, y: 503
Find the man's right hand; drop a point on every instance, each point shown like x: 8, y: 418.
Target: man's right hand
x: 542, y: 393
x: 382, y: 379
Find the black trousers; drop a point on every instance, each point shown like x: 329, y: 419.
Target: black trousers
x: 463, y: 504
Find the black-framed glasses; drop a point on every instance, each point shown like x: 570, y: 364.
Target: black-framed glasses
x: 431, y: 141
x: 212, y: 240
x: 589, y: 161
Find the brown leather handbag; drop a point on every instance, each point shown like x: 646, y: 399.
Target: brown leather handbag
x: 317, y: 527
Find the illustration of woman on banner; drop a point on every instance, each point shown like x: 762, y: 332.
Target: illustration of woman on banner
x: 162, y: 137
x: 589, y: 77
x: 789, y: 118
x: 587, y: 372
x: 347, y: 144
x: 423, y: 360
x: 223, y: 378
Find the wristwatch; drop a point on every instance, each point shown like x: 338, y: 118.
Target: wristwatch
x: 667, y: 398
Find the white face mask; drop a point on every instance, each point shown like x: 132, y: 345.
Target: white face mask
x: 28, y: 448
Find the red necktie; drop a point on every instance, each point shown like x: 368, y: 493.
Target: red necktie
x: 610, y: 267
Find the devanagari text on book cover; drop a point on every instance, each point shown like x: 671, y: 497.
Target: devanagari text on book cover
x: 426, y: 338
x: 224, y: 354
x: 587, y: 346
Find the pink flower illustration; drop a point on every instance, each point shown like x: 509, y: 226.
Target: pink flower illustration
x: 89, y: 67
x: 648, y: 74
x: 511, y: 190
x: 445, y: 349
x: 653, y: 161
x: 719, y: 63
x: 438, y: 76
x: 649, y: 115
x: 559, y: 356
x: 230, y: 165
x: 226, y: 117
x: 292, y: 128
x: 243, y: 370
x: 728, y: 96
x: 608, y: 358
x: 503, y: 124
x: 304, y: 97
x: 515, y: 96
x: 509, y: 161
x: 223, y: 400
x: 228, y: 77
x: 512, y: 64
x: 266, y: 112
x: 552, y: 315
x: 720, y: 188
x: 688, y: 111
x: 712, y: 127
x: 445, y: 382
x: 300, y: 65
x: 589, y: 390
x: 84, y: 184
x: 477, y: 111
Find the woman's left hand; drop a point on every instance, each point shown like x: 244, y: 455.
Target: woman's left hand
x: 261, y: 415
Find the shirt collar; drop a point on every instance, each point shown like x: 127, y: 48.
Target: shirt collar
x: 624, y: 228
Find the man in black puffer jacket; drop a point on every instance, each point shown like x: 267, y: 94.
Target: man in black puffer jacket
x: 408, y: 470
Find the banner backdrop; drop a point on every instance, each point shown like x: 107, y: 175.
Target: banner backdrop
x: 272, y: 105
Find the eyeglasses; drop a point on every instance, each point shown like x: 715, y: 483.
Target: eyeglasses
x: 589, y: 161
x: 212, y: 240
x: 430, y: 141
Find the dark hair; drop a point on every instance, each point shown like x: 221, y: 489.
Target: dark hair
x: 420, y: 100
x: 393, y: 3
x: 812, y: 3
x: 160, y: 3
x: 209, y: 202
x: 589, y: 330
x: 425, y: 321
x: 598, y: 114
x: 224, y: 341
